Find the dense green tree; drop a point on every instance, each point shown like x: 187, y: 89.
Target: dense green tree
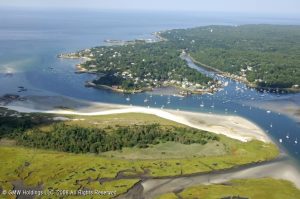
x: 270, y: 54
x: 77, y: 139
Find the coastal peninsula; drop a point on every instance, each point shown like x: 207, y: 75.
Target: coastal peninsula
x: 142, y: 66
x: 259, y: 55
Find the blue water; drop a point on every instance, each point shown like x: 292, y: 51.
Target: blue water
x: 30, y: 40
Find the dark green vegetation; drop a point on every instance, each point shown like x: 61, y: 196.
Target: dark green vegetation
x: 78, y: 139
x: 264, y: 55
x: 268, y: 55
x: 12, y: 122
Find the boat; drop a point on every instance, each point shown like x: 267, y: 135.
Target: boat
x: 128, y: 99
x: 296, y: 141
x: 287, y: 136
x: 268, y: 112
x: 280, y: 140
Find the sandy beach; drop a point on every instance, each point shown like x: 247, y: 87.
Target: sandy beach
x: 232, y: 126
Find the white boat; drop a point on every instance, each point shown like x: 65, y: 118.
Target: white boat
x: 280, y: 140
x: 296, y: 141
x: 128, y: 99
x: 268, y: 112
x: 146, y: 100
x: 287, y: 137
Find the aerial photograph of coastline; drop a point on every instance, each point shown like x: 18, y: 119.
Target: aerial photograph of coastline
x: 136, y: 99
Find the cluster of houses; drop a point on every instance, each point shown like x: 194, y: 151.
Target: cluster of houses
x: 147, y: 80
x: 243, y: 71
x: 185, y: 84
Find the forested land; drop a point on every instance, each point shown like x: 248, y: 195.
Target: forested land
x: 41, y: 131
x: 267, y: 55
x: 78, y: 139
x: 142, y: 65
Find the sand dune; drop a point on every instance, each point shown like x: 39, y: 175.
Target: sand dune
x: 232, y: 126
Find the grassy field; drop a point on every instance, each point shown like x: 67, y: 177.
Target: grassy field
x: 244, y: 188
x: 170, y: 150
x: 119, y: 170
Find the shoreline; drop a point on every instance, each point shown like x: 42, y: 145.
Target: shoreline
x: 90, y: 84
x: 234, y: 127
x: 181, y: 91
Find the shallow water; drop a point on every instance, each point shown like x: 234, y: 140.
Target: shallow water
x: 31, y: 40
